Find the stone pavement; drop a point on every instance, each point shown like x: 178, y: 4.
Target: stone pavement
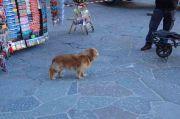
x: 123, y: 83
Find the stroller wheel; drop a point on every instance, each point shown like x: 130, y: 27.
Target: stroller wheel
x: 164, y: 50
x: 90, y: 27
x: 86, y: 30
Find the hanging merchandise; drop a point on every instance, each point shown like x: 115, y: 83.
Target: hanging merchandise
x: 3, y: 26
x: 38, y: 23
x: 54, y: 11
x: 44, y: 16
x: 24, y: 25
x: 12, y: 19
x: 24, y: 21
x: 35, y: 24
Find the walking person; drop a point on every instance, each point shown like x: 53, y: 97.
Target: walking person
x: 164, y: 10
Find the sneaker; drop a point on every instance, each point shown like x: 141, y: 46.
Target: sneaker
x: 147, y: 46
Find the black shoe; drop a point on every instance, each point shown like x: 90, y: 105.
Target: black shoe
x: 147, y: 46
x: 149, y: 14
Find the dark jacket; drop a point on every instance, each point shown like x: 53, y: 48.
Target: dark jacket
x: 166, y: 4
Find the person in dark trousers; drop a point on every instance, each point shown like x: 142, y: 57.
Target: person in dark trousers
x: 164, y: 10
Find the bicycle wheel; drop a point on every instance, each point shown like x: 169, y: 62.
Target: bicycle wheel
x: 164, y: 50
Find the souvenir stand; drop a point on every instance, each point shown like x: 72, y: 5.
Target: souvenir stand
x: 23, y: 23
x: 26, y: 22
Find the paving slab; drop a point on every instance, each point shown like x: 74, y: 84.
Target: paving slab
x: 122, y: 83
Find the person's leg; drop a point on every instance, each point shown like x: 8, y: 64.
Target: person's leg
x: 153, y: 25
x: 168, y: 21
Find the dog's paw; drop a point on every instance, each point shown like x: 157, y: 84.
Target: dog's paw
x: 53, y: 78
x: 79, y: 77
x: 60, y: 76
x: 84, y: 75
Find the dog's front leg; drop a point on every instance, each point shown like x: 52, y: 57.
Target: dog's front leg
x: 55, y: 75
x: 53, y: 78
x: 79, y: 74
x: 52, y: 73
x: 60, y: 74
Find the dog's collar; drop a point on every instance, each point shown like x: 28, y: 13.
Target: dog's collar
x: 91, y: 59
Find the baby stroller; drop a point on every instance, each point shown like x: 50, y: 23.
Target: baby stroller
x: 81, y: 18
x: 3, y: 54
x: 3, y: 63
x: 5, y: 47
x: 164, y: 41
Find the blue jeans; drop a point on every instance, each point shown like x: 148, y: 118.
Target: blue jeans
x: 168, y: 18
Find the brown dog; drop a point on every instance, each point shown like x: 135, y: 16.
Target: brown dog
x: 78, y: 62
